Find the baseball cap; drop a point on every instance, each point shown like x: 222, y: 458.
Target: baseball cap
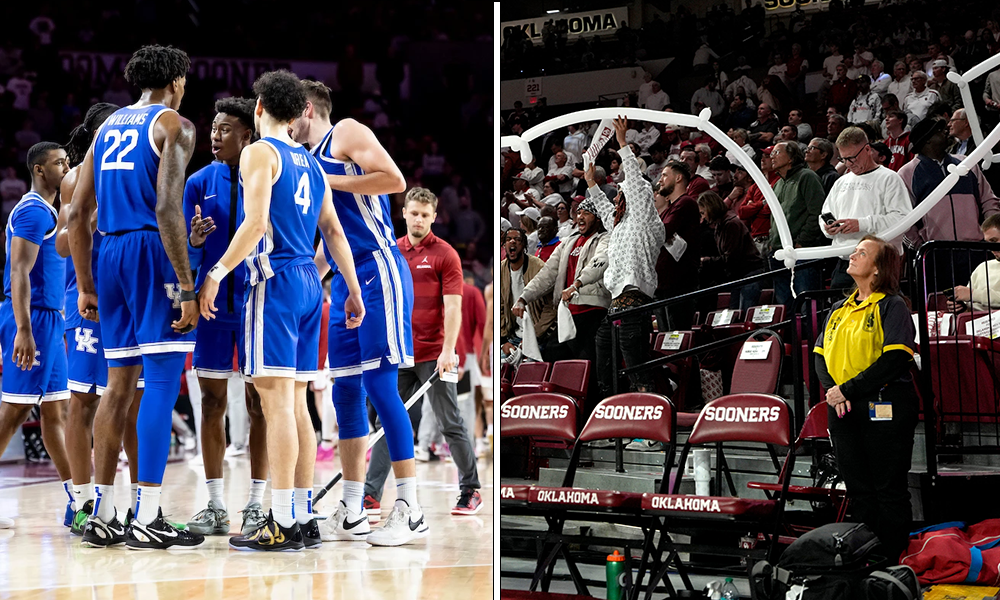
x: 504, y: 225
x: 522, y: 175
x: 767, y: 151
x: 939, y: 63
x: 531, y: 212
x: 720, y: 163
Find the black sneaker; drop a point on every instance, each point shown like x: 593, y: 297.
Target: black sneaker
x: 160, y: 535
x: 310, y: 534
x: 270, y: 537
x: 80, y: 518
x: 98, y: 534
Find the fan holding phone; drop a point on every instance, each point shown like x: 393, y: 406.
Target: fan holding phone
x: 867, y: 199
x: 983, y: 291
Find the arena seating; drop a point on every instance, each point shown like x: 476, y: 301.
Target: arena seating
x: 529, y: 378
x: 535, y: 416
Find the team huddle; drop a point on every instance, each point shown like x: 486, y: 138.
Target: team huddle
x: 106, y: 297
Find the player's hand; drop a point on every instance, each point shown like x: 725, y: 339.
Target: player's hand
x: 200, y: 228
x: 447, y: 360
x: 24, y: 349
x: 206, y: 298
x: 621, y: 127
x: 189, y: 317
x: 354, y: 310
x: 86, y: 303
x: 484, y: 364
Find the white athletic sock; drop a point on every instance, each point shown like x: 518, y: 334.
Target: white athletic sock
x: 69, y: 487
x: 104, y: 506
x: 354, y: 496
x: 135, y: 498
x: 149, y: 504
x: 215, y: 492
x: 406, y: 490
x: 489, y: 430
x: 329, y: 417
x: 282, y: 507
x: 257, y: 491
x: 303, y: 505
x: 82, y: 493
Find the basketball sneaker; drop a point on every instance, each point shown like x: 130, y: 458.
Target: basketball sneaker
x: 98, y: 534
x: 469, y: 503
x: 253, y: 518
x: 210, y: 521
x: 324, y: 454
x: 80, y: 518
x: 69, y: 514
x: 404, y: 525
x: 160, y: 535
x: 345, y: 526
x: 270, y: 537
x: 373, y: 509
x: 311, y: 536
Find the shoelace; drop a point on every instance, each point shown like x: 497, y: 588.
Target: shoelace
x: 396, y: 517
x: 466, y: 497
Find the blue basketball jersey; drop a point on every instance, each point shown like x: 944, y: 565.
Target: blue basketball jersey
x: 296, y: 196
x: 73, y: 318
x: 126, y: 162
x: 34, y: 220
x: 366, y: 219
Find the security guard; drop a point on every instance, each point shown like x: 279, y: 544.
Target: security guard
x: 864, y: 358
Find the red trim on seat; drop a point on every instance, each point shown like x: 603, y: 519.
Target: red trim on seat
x: 563, y: 497
x: 514, y: 493
x: 707, y: 505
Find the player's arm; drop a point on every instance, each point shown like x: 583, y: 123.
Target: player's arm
x: 340, y: 249
x: 178, y: 145
x: 81, y: 238
x: 484, y: 356
x: 66, y: 193
x: 258, y: 164
x: 22, y: 258
x: 355, y: 142
x: 322, y: 267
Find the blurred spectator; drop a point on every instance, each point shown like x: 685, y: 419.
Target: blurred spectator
x: 548, y: 238
x: 830, y: 62
x: 800, y: 193
x: 658, y: 160
x: 10, y: 58
x: 867, y: 105
x: 779, y: 69
x: 564, y: 221
x: 516, y: 271
x: 764, y: 129
x: 26, y: 138
x: 835, y: 123
x: 868, y: 199
x: 740, y: 136
x: 939, y: 82
x: 898, y: 139
x: 753, y: 209
x: 575, y: 142
x: 645, y: 88
x: 466, y: 224
x: 708, y: 97
x: 704, y: 157
x: 703, y: 57
x: 883, y: 156
x: 11, y: 190
x: 448, y: 199
x: 919, y: 100
x: 696, y: 183
x: 958, y: 127
x: 843, y: 90
x: 562, y: 175
x: 789, y: 133
x: 819, y: 154
x: 21, y: 88
x: 118, y: 92
x: 737, y: 257
x: 522, y: 196
x: 880, y: 79
x: 741, y: 114
x: 648, y: 136
x: 535, y: 175
x: 722, y: 173
x: 658, y: 99
x: 991, y: 95
x: 741, y: 85
x: 528, y: 222
x: 983, y: 291
x: 41, y: 115
x: 43, y: 26
x: 900, y: 85
x: 805, y: 130
x: 672, y: 142
x: 677, y: 266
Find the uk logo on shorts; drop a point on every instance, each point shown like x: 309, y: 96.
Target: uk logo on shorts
x: 85, y: 340
x: 174, y: 293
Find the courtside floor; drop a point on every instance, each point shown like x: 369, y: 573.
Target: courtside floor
x: 40, y: 559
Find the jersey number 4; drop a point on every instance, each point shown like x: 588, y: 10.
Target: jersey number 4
x: 302, y: 197
x: 130, y: 137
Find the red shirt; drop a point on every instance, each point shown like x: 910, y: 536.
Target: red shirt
x: 574, y: 258
x: 470, y: 338
x: 901, y: 150
x: 437, y: 272
x: 545, y: 251
x: 697, y: 185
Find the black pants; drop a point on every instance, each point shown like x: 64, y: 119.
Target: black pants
x: 874, y: 460
x: 633, y: 344
x: 584, y: 347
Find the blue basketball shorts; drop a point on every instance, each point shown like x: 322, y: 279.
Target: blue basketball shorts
x: 281, y: 320
x: 215, y: 348
x: 88, y: 368
x: 138, y: 299
x: 385, y: 333
x: 45, y: 381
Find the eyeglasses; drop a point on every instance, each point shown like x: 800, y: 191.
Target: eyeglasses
x: 850, y: 159
x: 808, y: 148
x: 953, y: 119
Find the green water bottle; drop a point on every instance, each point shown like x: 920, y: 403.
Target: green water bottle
x: 615, y: 570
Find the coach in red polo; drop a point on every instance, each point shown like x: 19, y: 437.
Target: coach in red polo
x: 437, y: 321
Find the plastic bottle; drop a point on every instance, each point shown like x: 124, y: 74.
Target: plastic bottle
x: 614, y: 569
x: 729, y: 591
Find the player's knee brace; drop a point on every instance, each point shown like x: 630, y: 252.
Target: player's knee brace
x: 349, y: 400
x: 381, y: 384
x: 162, y: 376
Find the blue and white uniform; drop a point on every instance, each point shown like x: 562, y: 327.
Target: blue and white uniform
x: 284, y: 300
x: 88, y: 369
x: 33, y: 219
x: 386, y: 285
x: 217, y: 190
x: 140, y: 294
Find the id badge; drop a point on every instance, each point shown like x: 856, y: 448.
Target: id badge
x: 880, y: 411
x: 450, y: 376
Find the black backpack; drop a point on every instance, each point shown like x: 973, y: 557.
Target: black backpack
x: 830, y: 561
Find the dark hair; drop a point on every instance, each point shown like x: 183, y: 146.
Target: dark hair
x: 714, y: 207
x: 887, y: 267
x: 938, y: 109
x: 899, y: 115
x: 794, y: 152
x: 882, y: 150
x: 520, y: 233
x: 83, y: 134
x: 680, y: 168
x: 282, y: 94
x: 656, y: 147
x: 37, y: 153
x: 155, y: 67
x: 991, y: 222
x: 241, y: 108
x: 319, y: 95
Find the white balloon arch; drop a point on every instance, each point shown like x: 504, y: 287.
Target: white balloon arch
x: 787, y: 253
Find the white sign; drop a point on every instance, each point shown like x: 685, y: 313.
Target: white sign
x: 672, y: 341
x: 755, y: 350
x: 599, y: 22
x: 532, y: 87
x: 764, y: 314
x: 723, y: 317
x: 985, y: 326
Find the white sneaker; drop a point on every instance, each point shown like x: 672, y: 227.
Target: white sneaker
x: 404, y: 525
x: 6, y: 523
x: 421, y: 455
x: 345, y: 526
x: 645, y: 446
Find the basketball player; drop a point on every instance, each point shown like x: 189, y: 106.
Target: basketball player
x: 88, y: 369
x: 285, y: 198
x: 212, y: 199
x: 31, y: 324
x: 361, y: 173
x: 134, y: 175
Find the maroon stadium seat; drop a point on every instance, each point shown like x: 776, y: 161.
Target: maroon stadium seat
x: 766, y: 296
x: 756, y: 317
x: 965, y: 378
x: 722, y: 301
x: 529, y: 377
x: 569, y: 377
x: 546, y: 416
x: 681, y: 371
x: 759, y: 376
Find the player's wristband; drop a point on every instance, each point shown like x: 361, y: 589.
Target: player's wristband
x: 188, y: 295
x: 218, y: 272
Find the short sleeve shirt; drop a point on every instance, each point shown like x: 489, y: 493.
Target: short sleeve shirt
x: 437, y: 272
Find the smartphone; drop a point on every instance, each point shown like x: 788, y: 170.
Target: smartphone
x: 828, y: 218
x: 949, y: 294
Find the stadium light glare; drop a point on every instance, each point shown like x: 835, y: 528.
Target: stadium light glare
x: 552, y: 12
